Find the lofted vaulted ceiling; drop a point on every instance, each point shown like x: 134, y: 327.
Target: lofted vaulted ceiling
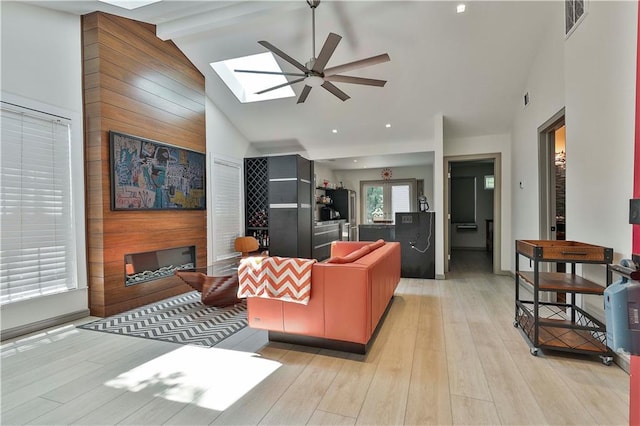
x: 470, y: 67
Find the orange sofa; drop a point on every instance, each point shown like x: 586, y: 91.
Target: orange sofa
x: 350, y: 293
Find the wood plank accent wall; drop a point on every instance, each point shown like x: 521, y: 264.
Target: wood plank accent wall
x: 135, y: 83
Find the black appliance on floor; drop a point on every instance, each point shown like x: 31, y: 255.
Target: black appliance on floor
x: 416, y: 234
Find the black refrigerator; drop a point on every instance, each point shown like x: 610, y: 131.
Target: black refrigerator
x: 344, y: 202
x: 416, y: 234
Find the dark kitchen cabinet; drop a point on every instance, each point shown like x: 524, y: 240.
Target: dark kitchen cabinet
x: 279, y: 203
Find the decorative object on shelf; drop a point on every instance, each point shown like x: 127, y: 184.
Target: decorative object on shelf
x: 386, y: 173
x: 258, y: 219
x: 325, y: 183
x: 149, y: 175
x: 423, y: 202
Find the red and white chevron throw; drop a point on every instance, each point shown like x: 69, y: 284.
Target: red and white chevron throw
x: 250, y: 276
x: 282, y: 278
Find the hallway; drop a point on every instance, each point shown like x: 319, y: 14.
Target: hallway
x: 470, y: 261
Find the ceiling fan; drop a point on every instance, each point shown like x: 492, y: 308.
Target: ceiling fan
x: 314, y: 72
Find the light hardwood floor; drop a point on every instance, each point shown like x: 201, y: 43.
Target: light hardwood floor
x: 447, y: 353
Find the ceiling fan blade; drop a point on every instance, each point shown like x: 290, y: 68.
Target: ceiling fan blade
x: 280, y: 85
x: 297, y: 74
x: 327, y: 50
x: 356, y: 80
x: 283, y: 55
x: 357, y: 64
x: 304, y: 94
x: 335, y: 91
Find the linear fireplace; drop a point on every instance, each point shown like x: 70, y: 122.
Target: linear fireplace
x: 152, y: 265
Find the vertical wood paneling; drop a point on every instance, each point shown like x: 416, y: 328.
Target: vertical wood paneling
x: 135, y: 83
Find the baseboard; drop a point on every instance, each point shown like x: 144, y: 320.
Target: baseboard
x: 12, y: 333
x: 622, y: 361
x: 482, y: 248
x: 441, y: 277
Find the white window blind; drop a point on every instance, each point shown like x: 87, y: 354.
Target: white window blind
x: 37, y: 250
x: 227, y: 208
x: 400, y: 199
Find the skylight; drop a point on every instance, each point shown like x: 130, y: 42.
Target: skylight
x: 130, y: 4
x: 245, y: 85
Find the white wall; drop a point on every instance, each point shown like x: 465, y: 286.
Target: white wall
x: 391, y: 147
x: 600, y: 75
x: 592, y: 75
x: 322, y: 172
x: 223, y: 138
x: 41, y: 69
x: 224, y: 142
x: 351, y: 179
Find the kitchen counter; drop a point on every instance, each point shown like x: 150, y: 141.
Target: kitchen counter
x: 324, y: 233
x: 328, y: 222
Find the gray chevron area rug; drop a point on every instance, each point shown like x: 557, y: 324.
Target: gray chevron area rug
x: 180, y: 319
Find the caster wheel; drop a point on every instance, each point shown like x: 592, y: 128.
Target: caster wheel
x: 515, y: 324
x: 607, y: 360
x: 534, y: 351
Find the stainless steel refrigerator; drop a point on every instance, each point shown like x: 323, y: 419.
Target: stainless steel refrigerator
x: 344, y: 201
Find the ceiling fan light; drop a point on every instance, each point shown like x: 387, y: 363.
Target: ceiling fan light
x: 313, y: 81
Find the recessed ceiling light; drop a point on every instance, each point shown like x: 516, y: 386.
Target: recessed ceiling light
x: 387, y: 125
x: 461, y: 8
x: 130, y: 4
x: 334, y: 131
x: 355, y: 161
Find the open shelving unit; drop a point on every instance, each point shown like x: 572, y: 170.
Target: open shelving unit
x: 561, y: 326
x: 257, y: 200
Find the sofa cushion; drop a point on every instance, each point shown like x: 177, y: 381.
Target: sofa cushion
x: 376, y: 245
x: 354, y: 255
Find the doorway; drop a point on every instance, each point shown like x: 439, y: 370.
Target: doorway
x: 552, y: 174
x: 551, y: 171
x: 472, y: 211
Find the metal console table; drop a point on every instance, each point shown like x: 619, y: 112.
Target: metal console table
x: 555, y: 325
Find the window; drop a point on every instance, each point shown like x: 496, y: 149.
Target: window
x: 37, y: 246
x: 382, y: 199
x: 574, y: 11
x: 245, y: 85
x: 489, y: 182
x: 227, y: 208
